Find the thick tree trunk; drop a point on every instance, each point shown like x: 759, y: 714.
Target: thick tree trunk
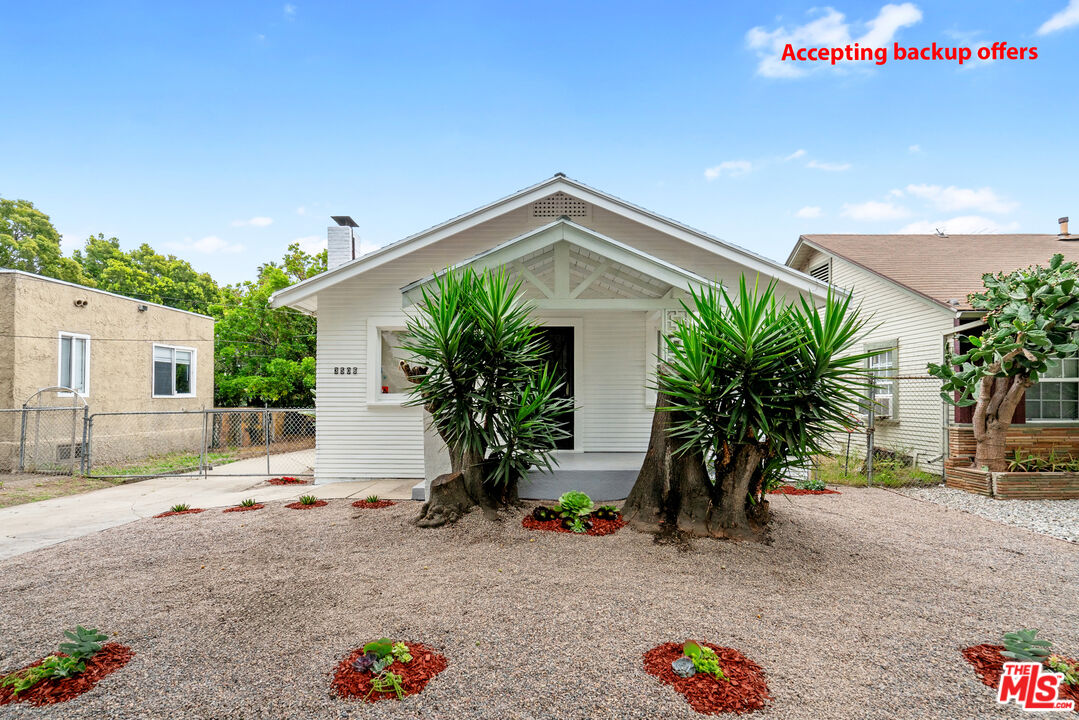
x: 998, y: 398
x: 674, y: 491
x: 449, y: 500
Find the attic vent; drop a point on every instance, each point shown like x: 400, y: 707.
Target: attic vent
x: 822, y: 272
x: 558, y: 205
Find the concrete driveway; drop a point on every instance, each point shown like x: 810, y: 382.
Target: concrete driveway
x: 35, y: 525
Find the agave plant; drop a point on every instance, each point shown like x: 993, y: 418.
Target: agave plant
x: 179, y: 507
x: 1024, y: 646
x: 308, y: 499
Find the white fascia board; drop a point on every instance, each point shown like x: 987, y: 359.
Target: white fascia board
x: 529, y: 195
x: 583, y: 237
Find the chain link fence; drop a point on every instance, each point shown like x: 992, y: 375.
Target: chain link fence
x: 73, y: 440
x: 223, y: 441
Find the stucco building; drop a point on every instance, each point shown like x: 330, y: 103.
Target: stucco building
x: 120, y: 354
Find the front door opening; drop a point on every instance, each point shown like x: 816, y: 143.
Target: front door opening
x: 559, y: 355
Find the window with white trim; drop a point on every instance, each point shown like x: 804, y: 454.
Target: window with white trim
x: 74, y: 363
x: 174, y: 371
x: 884, y: 370
x: 387, y: 383
x: 1056, y: 394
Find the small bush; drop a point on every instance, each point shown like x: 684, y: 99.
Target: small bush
x: 179, y: 507
x: 810, y: 484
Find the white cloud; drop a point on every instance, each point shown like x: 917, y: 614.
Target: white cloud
x: 914, y: 149
x: 952, y: 198
x: 831, y: 29
x: 290, y: 10
x: 1066, y: 18
x: 210, y: 245
x: 253, y: 222
x: 795, y: 155
x: 830, y: 167
x: 809, y: 211
x: 730, y: 168
x: 311, y: 244
x: 961, y: 225
x: 874, y: 211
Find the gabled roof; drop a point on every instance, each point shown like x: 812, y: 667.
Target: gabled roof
x: 941, y: 269
x: 301, y: 295
x: 582, y: 237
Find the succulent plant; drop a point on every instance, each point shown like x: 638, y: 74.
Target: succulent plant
x: 308, y: 499
x: 543, y: 514
x: 574, y: 504
x: 372, y: 498
x: 365, y: 662
x: 1024, y: 645
x: 179, y: 507
x: 249, y: 502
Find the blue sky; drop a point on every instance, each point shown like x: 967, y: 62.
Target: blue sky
x: 223, y: 131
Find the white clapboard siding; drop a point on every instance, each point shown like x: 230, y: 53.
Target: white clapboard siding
x: 918, y: 324
x: 361, y: 440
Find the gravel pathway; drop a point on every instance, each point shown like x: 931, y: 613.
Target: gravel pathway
x: 1058, y: 518
x: 857, y: 609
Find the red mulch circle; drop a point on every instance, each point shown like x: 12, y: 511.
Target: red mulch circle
x: 111, y: 658
x: 988, y: 664
x: 170, y: 513
x: 241, y: 508
x: 352, y: 685
x: 373, y: 505
x: 301, y: 506
x: 288, y: 481
x: 790, y: 490
x: 747, y: 690
x: 599, y: 527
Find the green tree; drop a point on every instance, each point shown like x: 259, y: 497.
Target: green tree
x: 748, y: 387
x: 1032, y: 317
x: 146, y: 274
x: 29, y: 242
x: 491, y: 396
x: 265, y: 356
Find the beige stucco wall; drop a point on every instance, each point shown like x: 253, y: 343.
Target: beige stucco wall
x: 121, y: 352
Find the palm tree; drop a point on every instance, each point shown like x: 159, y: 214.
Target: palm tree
x: 482, y: 378
x: 749, y: 387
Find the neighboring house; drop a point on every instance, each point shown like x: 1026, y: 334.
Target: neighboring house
x: 915, y: 289
x: 604, y: 276
x: 118, y: 353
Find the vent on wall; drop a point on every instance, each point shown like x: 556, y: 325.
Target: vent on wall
x: 558, y: 205
x: 822, y: 272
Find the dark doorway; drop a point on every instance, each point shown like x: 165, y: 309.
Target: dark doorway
x: 559, y: 355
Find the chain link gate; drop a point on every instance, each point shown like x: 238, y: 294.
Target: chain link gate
x: 51, y: 430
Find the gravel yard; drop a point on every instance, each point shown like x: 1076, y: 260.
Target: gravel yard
x: 1058, y: 518
x: 857, y: 610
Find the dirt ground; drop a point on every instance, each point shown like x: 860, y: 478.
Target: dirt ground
x: 857, y: 609
x: 19, y: 488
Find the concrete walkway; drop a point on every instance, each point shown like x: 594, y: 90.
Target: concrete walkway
x: 35, y: 525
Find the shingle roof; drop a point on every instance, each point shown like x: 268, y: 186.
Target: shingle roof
x: 945, y: 268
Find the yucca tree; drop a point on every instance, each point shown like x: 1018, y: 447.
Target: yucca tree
x: 750, y: 386
x: 484, y: 381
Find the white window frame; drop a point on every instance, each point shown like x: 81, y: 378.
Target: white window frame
x: 873, y: 364
x: 60, y: 359
x: 194, y: 376
x: 375, y: 396
x: 1061, y: 380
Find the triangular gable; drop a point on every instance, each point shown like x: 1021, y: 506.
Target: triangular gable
x: 563, y: 264
x: 302, y: 295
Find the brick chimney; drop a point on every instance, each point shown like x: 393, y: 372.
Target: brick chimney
x: 340, y: 241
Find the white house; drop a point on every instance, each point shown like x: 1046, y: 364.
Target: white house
x: 604, y: 276
x: 915, y: 288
